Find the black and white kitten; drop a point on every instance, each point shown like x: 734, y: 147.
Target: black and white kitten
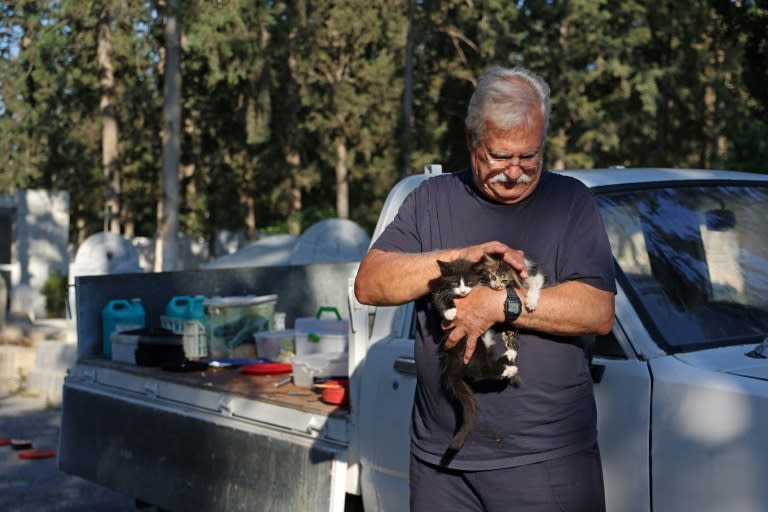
x: 457, y: 278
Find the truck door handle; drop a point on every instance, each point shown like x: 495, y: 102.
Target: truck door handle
x: 596, y: 371
x: 405, y: 365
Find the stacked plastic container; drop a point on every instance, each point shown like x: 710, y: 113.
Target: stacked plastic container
x: 321, y: 347
x: 185, y: 315
x: 277, y: 344
x: 232, y: 321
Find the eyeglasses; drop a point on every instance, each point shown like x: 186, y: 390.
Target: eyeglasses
x: 527, y: 161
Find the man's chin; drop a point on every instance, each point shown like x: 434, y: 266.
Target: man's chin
x: 506, y: 192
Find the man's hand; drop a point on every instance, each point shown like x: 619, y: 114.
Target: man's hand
x: 475, y: 314
x: 514, y: 257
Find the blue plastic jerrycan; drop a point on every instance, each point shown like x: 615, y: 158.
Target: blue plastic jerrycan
x: 196, y: 309
x: 186, y: 307
x: 120, y: 315
x: 177, y: 306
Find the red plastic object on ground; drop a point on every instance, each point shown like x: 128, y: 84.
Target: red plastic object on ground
x: 36, y: 454
x: 5, y: 441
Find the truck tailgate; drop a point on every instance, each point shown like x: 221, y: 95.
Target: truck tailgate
x: 212, y: 440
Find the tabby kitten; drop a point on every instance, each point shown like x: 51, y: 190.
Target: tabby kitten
x: 457, y: 279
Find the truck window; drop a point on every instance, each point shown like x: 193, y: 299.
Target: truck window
x: 694, y: 260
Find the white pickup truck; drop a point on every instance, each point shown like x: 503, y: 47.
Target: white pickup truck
x: 680, y: 382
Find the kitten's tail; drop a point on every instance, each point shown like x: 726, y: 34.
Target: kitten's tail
x: 459, y: 388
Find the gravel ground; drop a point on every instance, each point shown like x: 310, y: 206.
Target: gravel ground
x: 38, y: 485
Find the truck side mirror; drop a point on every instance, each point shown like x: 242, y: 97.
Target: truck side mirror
x: 719, y: 220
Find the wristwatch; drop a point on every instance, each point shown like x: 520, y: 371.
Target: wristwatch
x: 512, y: 307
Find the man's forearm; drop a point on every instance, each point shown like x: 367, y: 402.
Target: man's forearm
x: 566, y: 309
x: 391, y: 278
x: 571, y: 308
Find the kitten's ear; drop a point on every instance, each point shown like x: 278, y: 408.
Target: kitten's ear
x: 487, y: 258
x: 444, y: 266
x: 480, y: 266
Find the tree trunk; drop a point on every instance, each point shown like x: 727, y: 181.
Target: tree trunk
x: 294, y: 194
x: 109, y: 128
x: 405, y: 142
x: 167, y: 249
x: 246, y: 197
x: 557, y: 147
x: 342, y: 181
x: 290, y: 149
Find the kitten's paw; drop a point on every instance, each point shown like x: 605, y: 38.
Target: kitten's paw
x: 532, y: 301
x: 533, y: 285
x: 450, y: 314
x: 510, y: 371
x: 511, y: 355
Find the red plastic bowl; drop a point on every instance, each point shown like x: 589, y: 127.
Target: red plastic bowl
x: 335, y: 392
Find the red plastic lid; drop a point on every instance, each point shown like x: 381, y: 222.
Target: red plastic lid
x: 266, y: 368
x: 37, y: 454
x: 5, y: 441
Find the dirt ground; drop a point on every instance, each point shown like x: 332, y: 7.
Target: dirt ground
x: 38, y: 485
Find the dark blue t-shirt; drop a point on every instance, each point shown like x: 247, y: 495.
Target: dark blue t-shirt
x: 552, y: 413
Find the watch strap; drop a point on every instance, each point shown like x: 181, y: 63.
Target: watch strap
x: 512, y: 307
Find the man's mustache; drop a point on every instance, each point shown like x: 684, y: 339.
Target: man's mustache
x: 503, y: 178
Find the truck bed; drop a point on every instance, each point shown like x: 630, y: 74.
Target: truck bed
x: 212, y: 440
x: 205, y: 441
x: 231, y: 381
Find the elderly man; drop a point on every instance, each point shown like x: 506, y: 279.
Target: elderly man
x: 534, y: 446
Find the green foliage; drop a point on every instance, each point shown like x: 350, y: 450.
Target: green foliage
x: 55, y: 293
x: 287, y: 104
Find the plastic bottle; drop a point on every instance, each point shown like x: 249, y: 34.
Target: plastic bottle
x: 120, y: 315
x: 278, y: 321
x: 196, y: 309
x: 177, y: 307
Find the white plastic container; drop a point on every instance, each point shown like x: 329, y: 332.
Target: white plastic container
x: 124, y: 347
x: 321, y: 365
x: 126, y: 343
x: 271, y: 344
x: 321, y: 335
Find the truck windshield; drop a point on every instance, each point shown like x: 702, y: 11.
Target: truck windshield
x: 693, y: 260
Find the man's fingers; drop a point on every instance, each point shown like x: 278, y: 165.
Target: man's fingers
x: 470, y: 349
x: 514, y: 257
x: 451, y: 340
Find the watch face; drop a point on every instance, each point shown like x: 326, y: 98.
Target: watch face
x: 512, y: 304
